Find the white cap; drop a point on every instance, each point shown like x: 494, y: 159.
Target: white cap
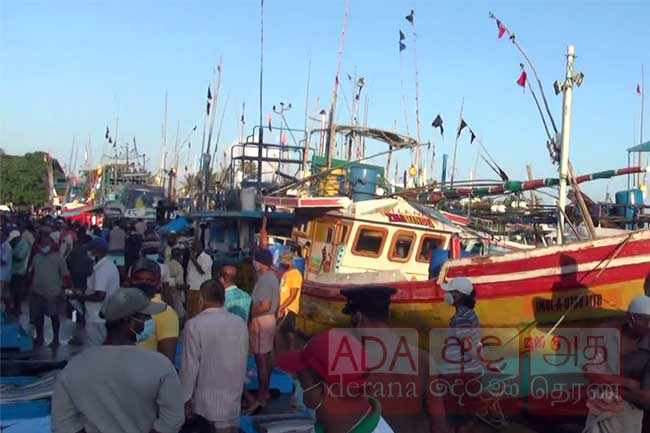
x: 640, y: 305
x: 462, y: 285
x: 13, y: 235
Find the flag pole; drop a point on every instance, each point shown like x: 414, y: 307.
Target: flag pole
x: 331, y: 133
x: 453, y: 163
x: 260, y: 139
x: 401, y: 81
x: 641, y: 128
x: 417, y: 102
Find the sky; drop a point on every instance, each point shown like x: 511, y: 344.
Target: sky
x: 68, y: 69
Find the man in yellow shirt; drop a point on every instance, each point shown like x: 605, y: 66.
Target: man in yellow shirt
x: 290, y: 286
x: 164, y: 335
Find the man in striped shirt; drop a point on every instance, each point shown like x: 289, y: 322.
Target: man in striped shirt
x: 213, y: 368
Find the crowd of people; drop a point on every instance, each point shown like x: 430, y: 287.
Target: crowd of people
x: 166, y: 337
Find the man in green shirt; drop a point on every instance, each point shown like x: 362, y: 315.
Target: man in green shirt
x: 329, y: 369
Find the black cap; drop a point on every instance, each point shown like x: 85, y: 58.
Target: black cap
x: 370, y: 300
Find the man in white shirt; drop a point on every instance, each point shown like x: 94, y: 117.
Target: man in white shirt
x: 214, y: 337
x: 103, y: 282
x: 199, y: 270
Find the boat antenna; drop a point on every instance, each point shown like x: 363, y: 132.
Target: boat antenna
x: 331, y: 129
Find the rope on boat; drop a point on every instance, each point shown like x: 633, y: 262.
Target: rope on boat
x: 561, y: 319
x: 613, y: 256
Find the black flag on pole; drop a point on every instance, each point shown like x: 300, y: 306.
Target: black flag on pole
x: 460, y: 128
x: 207, y: 110
x: 106, y: 132
x: 410, y: 17
x: 401, y: 36
x: 402, y: 47
x: 472, y: 137
x: 437, y: 123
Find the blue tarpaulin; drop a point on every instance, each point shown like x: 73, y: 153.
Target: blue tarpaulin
x: 176, y: 226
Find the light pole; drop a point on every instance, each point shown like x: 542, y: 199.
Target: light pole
x: 566, y: 87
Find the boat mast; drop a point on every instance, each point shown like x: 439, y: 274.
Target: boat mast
x: 640, y: 179
x: 453, y: 163
x: 261, y: 131
x: 331, y: 138
x: 567, y: 89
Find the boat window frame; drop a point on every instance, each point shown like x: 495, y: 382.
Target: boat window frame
x: 393, y: 242
x: 356, y: 240
x: 421, y: 244
x: 341, y: 237
x: 304, y: 234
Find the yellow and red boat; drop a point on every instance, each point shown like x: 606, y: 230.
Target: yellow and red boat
x: 387, y: 242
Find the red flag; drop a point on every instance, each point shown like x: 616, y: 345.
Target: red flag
x: 522, y: 79
x: 638, y: 89
x: 502, y: 29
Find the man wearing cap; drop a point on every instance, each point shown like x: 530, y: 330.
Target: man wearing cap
x: 331, y: 375
x: 265, y: 299
x: 199, y: 270
x: 118, y: 387
x: 400, y: 372
x: 103, y: 282
x: 629, y: 370
x: 213, y: 367
x: 165, y: 327
x: 290, y: 286
x: 49, y: 273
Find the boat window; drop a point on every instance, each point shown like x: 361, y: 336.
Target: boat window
x: 343, y: 234
x: 402, y: 245
x: 427, y: 244
x: 369, y: 241
x: 330, y: 235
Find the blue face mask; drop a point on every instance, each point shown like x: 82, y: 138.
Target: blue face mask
x: 147, y: 331
x: 46, y: 249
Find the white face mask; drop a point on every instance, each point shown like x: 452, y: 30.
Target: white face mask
x: 449, y: 298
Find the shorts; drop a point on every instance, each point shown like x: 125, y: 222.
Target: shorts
x: 44, y: 305
x: 262, y: 334
x: 287, y: 324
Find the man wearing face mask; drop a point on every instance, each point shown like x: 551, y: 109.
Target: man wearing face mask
x: 329, y: 371
x: 118, y: 387
x: 463, y: 327
x: 161, y: 332
x: 103, y: 282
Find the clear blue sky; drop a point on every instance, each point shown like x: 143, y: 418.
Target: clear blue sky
x: 68, y: 68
